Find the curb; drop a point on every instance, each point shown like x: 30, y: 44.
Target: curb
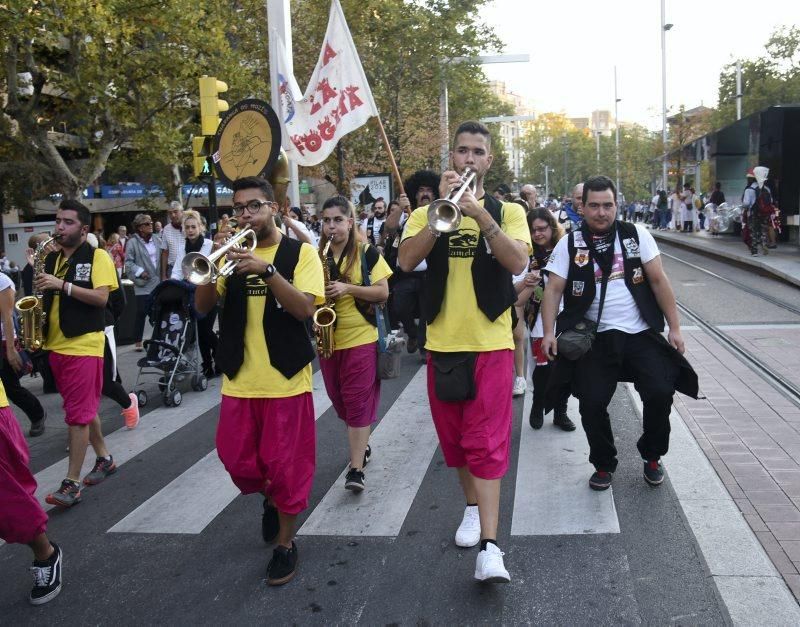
x: 748, y: 584
x: 742, y: 260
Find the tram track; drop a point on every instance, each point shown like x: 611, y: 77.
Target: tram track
x: 776, y: 380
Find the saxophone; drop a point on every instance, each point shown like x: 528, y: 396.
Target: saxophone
x: 31, y: 308
x: 325, y: 317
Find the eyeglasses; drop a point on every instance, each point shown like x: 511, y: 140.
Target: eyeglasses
x: 540, y: 229
x: 253, y: 207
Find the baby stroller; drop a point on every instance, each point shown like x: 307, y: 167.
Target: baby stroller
x: 172, y: 353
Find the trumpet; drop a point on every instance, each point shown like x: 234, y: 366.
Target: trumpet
x: 444, y: 215
x: 201, y: 270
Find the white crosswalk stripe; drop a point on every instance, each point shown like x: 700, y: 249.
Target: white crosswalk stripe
x: 189, y: 503
x: 552, y: 495
x: 403, y: 444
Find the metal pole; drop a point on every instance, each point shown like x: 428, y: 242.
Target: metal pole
x: 664, y: 95
x: 616, y: 125
x: 597, y: 138
x: 566, y: 179
x: 212, y: 200
x: 738, y: 90
x: 546, y: 183
x: 444, y: 127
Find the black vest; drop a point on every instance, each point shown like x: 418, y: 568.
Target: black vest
x: 580, y: 288
x: 494, y: 288
x: 288, y: 343
x: 74, y: 317
x: 371, y: 235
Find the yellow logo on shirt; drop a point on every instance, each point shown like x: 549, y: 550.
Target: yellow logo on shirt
x: 255, y: 285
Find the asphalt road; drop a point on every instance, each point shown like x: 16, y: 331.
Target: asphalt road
x: 650, y: 572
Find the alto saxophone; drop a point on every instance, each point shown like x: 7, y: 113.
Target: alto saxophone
x: 31, y: 308
x: 325, y: 317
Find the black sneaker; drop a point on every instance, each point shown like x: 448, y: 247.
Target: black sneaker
x: 536, y: 418
x: 561, y: 420
x: 282, y: 566
x: 354, y: 480
x: 46, y: 578
x: 653, y: 472
x: 412, y: 345
x: 269, y: 522
x: 367, y: 456
x: 37, y: 428
x: 601, y: 480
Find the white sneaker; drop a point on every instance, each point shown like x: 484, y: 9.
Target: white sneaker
x: 469, y: 531
x: 489, y: 566
x: 519, y: 386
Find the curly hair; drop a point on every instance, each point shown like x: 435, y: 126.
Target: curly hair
x: 421, y: 178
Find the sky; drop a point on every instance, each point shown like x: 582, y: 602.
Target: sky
x: 575, y: 44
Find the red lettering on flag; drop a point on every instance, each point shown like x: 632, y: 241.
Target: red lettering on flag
x: 329, y: 54
x: 342, y: 108
x: 298, y: 143
x: 313, y: 141
x: 328, y: 92
x: 315, y: 106
x: 352, y: 96
x: 327, y: 129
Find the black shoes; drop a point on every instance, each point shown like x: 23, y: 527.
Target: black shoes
x: 653, y: 473
x: 561, y: 420
x: 282, y: 566
x: 37, y: 428
x: 412, y: 345
x: 601, y: 480
x: 537, y: 417
x: 269, y: 522
x: 46, y: 578
x: 354, y: 480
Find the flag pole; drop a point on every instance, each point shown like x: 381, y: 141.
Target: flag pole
x: 389, y: 152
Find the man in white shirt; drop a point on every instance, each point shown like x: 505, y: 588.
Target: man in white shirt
x: 172, y: 239
x: 618, y: 263
x: 372, y: 227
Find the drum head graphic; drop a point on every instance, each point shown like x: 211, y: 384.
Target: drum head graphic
x: 247, y: 142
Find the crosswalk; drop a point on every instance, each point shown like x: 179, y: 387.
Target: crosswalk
x: 550, y: 493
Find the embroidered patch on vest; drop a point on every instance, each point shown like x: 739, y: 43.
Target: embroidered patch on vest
x: 638, y: 276
x: 577, y: 288
x: 83, y: 272
x: 631, y: 247
x: 581, y: 257
x: 578, y: 240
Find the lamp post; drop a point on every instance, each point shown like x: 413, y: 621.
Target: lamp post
x: 444, y: 113
x: 616, y: 125
x: 547, y: 170
x: 565, y: 144
x: 664, y: 28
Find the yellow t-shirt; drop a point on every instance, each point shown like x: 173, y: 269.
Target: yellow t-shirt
x: 256, y: 377
x: 3, y: 398
x: 89, y: 344
x: 351, y: 327
x: 460, y: 325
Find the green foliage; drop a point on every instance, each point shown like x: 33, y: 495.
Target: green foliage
x: 771, y: 79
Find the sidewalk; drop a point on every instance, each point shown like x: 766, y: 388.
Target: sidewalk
x: 783, y: 262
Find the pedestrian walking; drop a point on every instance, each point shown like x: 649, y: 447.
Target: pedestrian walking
x: 143, y: 266
x: 633, y: 297
x: 170, y: 240
x: 265, y: 436
x: 469, y: 294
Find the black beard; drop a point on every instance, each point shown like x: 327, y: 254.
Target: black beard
x: 379, y: 215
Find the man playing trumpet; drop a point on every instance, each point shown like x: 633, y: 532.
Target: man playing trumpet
x: 468, y: 300
x: 265, y: 437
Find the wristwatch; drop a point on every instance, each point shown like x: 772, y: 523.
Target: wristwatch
x: 269, y: 272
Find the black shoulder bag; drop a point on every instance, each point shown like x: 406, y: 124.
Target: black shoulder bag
x: 576, y: 342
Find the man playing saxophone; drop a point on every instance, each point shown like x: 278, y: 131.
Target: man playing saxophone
x: 266, y: 437
x: 76, y: 282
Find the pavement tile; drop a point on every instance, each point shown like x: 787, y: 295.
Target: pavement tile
x: 755, y: 522
x: 746, y: 508
x: 777, y: 513
x: 792, y: 548
x: 793, y: 581
x: 757, y: 483
x: 786, y: 476
x: 729, y: 447
x: 781, y: 561
x: 780, y: 464
x: 784, y: 531
x: 767, y: 540
x: 791, y: 489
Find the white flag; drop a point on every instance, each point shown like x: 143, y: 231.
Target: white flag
x: 337, y: 100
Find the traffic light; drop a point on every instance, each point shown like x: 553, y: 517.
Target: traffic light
x: 200, y: 155
x: 210, y: 104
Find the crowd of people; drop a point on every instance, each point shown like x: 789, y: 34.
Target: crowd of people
x: 466, y: 298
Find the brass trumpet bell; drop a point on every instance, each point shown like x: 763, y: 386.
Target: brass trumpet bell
x: 201, y: 270
x: 444, y: 214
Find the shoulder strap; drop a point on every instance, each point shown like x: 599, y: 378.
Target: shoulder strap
x: 380, y: 319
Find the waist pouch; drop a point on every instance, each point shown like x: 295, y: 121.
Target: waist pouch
x: 576, y: 342
x: 454, y: 376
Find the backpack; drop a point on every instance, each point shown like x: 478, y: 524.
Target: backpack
x: 764, y: 204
